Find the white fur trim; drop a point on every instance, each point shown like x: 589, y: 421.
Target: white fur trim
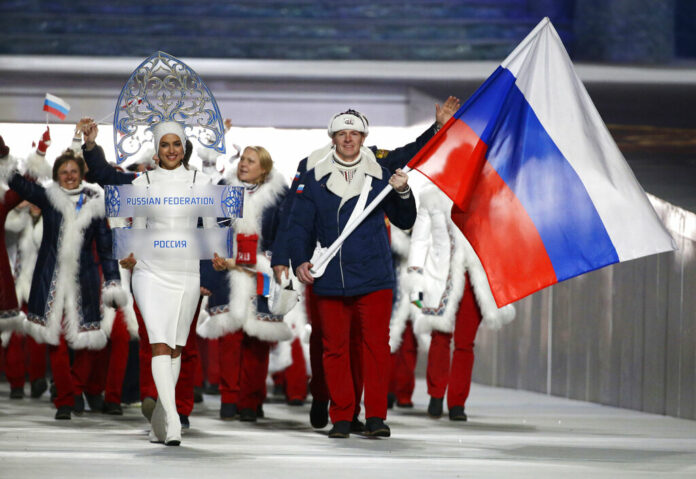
x: 401, y: 312
x: 280, y: 357
x: 8, y: 166
x: 107, y: 323
x: 28, y: 250
x: 13, y: 323
x: 65, y: 306
x: 267, y: 330
x: 296, y: 319
x: 400, y: 242
x: 17, y: 220
x: 5, y: 338
x: 493, y: 317
x: 242, y: 291
x: 318, y: 155
x: 37, y: 166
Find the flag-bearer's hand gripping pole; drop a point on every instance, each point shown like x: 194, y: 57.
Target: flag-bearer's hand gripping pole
x: 322, y: 256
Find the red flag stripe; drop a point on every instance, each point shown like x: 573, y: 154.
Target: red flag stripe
x: 501, y: 231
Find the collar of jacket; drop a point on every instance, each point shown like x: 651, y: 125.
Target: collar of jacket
x: 336, y: 183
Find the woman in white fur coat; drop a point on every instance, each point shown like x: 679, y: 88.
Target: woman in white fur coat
x: 447, y: 278
x: 65, y: 308
x: 238, y: 308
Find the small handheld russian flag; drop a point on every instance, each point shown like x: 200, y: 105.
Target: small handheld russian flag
x: 56, y: 106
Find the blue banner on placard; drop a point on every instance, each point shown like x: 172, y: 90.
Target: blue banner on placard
x: 173, y: 200
x: 185, y: 244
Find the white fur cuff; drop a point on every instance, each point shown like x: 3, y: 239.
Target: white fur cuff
x: 114, y: 296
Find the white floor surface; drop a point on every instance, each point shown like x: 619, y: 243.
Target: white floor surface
x: 509, y: 434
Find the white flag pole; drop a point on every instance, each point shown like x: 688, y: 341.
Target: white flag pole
x: 319, y: 265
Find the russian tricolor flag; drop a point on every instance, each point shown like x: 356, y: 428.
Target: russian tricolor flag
x: 56, y: 106
x: 541, y: 190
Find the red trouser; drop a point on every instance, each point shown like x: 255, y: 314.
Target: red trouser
x: 230, y: 360
x: 369, y: 314
x: 210, y: 361
x: 118, y: 359
x: 254, y: 369
x: 19, y: 349
x: 189, y: 363
x: 147, y: 384
x: 403, y: 373
x: 317, y: 383
x: 438, y: 372
x: 69, y: 382
x: 295, y: 375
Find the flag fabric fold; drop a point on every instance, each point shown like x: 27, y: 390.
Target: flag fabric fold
x: 56, y: 106
x: 540, y: 188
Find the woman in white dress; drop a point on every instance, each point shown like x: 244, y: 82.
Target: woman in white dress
x: 165, y: 291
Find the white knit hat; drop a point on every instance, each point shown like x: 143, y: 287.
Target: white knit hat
x: 348, y: 120
x: 168, y: 127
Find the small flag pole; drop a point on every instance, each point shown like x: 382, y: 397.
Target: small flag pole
x: 102, y: 120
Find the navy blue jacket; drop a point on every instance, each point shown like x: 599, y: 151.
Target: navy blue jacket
x: 43, y: 284
x: 364, y: 263
x: 101, y: 172
x: 390, y: 159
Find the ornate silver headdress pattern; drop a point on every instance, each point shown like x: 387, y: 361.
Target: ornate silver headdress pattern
x: 165, y: 88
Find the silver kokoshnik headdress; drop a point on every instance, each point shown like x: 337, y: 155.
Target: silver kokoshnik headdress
x: 164, y: 88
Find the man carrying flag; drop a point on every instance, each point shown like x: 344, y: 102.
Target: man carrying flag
x: 56, y: 106
x: 540, y: 189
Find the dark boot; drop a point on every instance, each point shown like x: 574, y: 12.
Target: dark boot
x: 211, y: 389
x: 259, y: 412
x: 185, y: 423
x: 197, y: 395
x: 38, y: 387
x: 340, y: 430
x: 79, y: 406
x: 64, y: 412
x: 95, y: 402
x: 456, y: 413
x: 228, y: 411
x: 17, y: 393
x: 391, y: 399
x: 247, y: 415
x: 375, y: 427
x: 319, y: 414
x: 357, y: 426
x: 112, y: 409
x: 435, y: 408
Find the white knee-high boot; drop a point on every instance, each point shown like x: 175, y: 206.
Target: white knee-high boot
x: 164, y: 381
x: 176, y: 368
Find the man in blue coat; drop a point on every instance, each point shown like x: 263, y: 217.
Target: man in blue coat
x: 392, y: 160
x: 355, y: 291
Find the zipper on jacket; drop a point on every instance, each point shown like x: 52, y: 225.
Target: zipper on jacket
x: 340, y: 250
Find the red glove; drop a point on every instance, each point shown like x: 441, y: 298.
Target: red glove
x: 246, y: 248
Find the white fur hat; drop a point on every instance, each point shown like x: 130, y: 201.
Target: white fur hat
x: 348, y: 120
x: 168, y: 127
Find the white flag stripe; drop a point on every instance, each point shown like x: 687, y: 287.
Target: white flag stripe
x: 58, y: 101
x: 567, y: 113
